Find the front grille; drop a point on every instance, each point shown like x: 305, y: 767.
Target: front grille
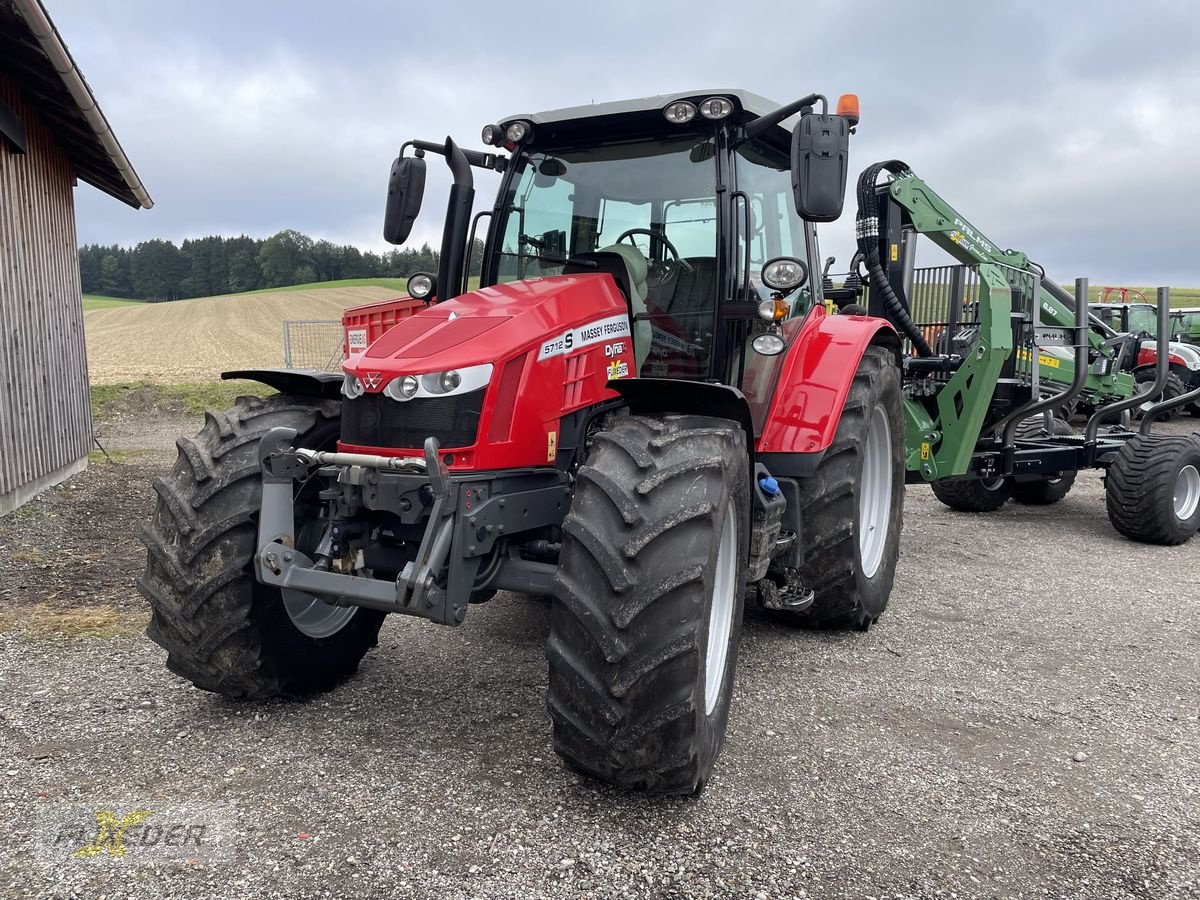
x: 374, y: 420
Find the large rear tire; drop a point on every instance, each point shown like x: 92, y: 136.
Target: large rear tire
x: 852, y: 507
x: 648, y: 602
x: 1152, y: 489
x: 221, y: 628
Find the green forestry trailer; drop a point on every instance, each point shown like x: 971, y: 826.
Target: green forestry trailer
x: 992, y: 348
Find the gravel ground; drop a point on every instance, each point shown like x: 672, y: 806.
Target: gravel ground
x: 1021, y: 723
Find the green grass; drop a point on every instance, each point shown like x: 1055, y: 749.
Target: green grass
x: 95, y: 301
x: 137, y: 397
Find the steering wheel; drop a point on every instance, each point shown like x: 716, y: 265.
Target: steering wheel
x: 658, y: 271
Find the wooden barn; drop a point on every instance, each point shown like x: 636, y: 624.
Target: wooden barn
x: 52, y: 133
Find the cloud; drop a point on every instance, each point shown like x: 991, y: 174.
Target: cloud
x: 1066, y: 130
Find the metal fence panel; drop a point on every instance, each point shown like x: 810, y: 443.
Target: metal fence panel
x: 313, y: 344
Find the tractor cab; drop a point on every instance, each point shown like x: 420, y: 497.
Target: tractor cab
x: 637, y: 196
x: 1185, y: 326
x: 1140, y: 319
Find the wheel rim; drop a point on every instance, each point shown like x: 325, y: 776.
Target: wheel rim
x: 875, y: 493
x: 311, y: 615
x: 720, y: 612
x: 992, y: 485
x: 315, y: 617
x: 1187, y: 492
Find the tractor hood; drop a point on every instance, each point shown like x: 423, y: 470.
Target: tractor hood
x: 489, y: 325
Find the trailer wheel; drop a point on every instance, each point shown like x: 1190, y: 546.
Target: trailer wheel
x: 1048, y: 489
x: 852, y: 507
x: 1153, y: 489
x: 1174, y: 388
x: 648, y: 602
x: 973, y: 495
x: 221, y: 628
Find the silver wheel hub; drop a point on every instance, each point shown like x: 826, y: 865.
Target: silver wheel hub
x: 1187, y: 493
x: 720, y: 611
x: 313, y: 616
x: 875, y: 492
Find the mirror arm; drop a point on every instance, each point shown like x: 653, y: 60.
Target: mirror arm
x: 757, y: 126
x: 494, y: 161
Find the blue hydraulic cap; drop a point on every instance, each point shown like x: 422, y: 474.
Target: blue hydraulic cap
x: 769, y: 485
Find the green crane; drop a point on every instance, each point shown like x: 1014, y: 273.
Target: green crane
x: 1019, y: 341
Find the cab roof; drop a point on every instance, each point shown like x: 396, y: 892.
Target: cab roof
x: 747, y: 106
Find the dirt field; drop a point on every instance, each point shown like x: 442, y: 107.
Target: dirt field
x: 1022, y: 723
x: 195, y: 340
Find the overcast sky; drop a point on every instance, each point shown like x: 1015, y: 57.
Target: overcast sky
x: 1067, y: 130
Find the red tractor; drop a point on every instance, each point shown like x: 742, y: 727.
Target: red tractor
x: 1141, y: 319
x: 644, y: 411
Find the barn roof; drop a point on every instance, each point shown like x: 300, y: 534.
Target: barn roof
x: 33, y: 54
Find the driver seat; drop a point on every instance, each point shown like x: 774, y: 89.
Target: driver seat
x: 628, y: 269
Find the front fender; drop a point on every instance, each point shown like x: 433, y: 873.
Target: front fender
x: 815, y: 380
x: 301, y: 382
x: 676, y: 395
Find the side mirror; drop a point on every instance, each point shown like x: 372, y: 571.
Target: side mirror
x: 406, y: 187
x: 820, y: 164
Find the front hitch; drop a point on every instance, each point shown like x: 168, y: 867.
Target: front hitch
x: 278, y: 562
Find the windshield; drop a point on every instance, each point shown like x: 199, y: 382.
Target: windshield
x: 1185, y: 326
x: 655, y: 196
x: 1143, y: 320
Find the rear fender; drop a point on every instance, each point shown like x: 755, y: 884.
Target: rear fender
x: 299, y: 382
x: 814, y: 382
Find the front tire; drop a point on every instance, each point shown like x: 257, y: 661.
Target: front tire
x: 648, y: 602
x: 1152, y: 489
x: 852, y: 507
x: 223, y: 630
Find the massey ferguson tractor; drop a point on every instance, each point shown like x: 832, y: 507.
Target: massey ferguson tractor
x: 648, y: 412
x: 644, y: 412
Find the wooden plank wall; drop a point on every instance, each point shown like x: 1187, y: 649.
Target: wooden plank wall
x: 45, y: 414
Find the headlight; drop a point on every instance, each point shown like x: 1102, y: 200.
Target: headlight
x: 439, y: 384
x: 517, y: 132
x: 784, y: 273
x: 352, y: 388
x: 491, y: 135
x: 716, y: 108
x: 680, y: 112
x: 421, y: 286
x: 403, y: 388
x: 769, y: 344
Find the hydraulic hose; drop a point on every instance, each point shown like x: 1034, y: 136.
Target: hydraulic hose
x: 867, y: 232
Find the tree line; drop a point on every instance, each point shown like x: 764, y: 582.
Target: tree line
x: 159, y: 270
